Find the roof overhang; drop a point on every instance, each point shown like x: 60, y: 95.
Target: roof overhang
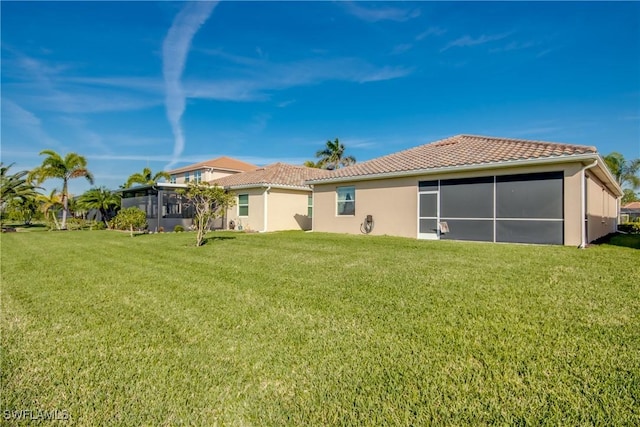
x: 265, y: 185
x: 601, y: 170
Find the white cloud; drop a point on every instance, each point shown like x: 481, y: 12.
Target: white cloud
x: 380, y: 13
x: 258, y: 81
x: 431, y: 31
x: 27, y: 123
x: 175, y: 49
x: 467, y: 41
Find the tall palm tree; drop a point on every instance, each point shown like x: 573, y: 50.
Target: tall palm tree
x: 102, y: 199
x: 332, y: 156
x: 71, y: 166
x: 624, y: 171
x: 51, y: 204
x: 15, y: 186
x: 146, y: 177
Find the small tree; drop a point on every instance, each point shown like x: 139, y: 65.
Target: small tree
x: 209, y: 202
x: 130, y: 218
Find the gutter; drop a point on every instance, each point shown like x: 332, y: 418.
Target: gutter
x: 583, y: 204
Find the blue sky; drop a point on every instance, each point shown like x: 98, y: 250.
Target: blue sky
x: 164, y: 84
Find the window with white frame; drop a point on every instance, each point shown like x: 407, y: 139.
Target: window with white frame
x: 172, y: 180
x: 346, y: 197
x: 310, y: 205
x: 197, y: 177
x: 243, y: 205
x: 186, y: 177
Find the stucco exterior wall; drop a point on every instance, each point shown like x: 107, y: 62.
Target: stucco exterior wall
x: 255, y: 220
x: 601, y: 209
x: 287, y: 210
x: 393, y: 202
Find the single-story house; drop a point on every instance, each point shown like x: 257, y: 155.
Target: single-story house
x: 630, y: 212
x: 271, y: 198
x: 477, y: 188
x: 209, y: 170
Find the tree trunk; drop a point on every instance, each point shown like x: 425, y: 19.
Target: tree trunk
x: 55, y: 219
x: 132, y: 231
x: 65, y: 204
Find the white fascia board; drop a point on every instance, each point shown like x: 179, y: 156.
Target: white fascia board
x: 281, y: 187
x: 462, y: 168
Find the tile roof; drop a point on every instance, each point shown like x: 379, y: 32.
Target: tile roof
x: 632, y: 205
x: 461, y: 150
x: 278, y: 174
x: 221, y: 163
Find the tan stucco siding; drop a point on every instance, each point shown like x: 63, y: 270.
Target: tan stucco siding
x: 573, y: 204
x: 393, y: 202
x: 601, y: 209
x: 255, y: 220
x: 287, y: 210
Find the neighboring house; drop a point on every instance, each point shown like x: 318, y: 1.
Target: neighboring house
x: 630, y: 212
x: 474, y: 188
x: 209, y: 170
x: 272, y: 198
x: 165, y: 208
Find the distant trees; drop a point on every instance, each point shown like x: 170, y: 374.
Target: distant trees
x: 65, y: 168
x: 331, y: 157
x: 16, y: 187
x: 146, y: 177
x: 51, y: 204
x: 209, y: 202
x: 101, y: 199
x: 626, y: 172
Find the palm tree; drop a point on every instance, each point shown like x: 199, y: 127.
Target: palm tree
x: 102, y: 199
x: 624, y: 171
x: 312, y: 164
x: 332, y: 156
x: 51, y: 204
x: 71, y: 166
x: 146, y: 177
x: 14, y: 186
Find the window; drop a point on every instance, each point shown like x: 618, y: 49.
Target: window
x: 310, y: 206
x: 172, y: 180
x: 243, y: 205
x: 186, y: 177
x: 197, y: 176
x: 346, y: 200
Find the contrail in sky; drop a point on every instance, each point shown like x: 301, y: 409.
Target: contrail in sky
x: 175, y: 48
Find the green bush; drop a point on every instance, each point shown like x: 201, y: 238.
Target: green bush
x: 630, y: 227
x: 178, y: 228
x: 98, y: 225
x: 76, y: 224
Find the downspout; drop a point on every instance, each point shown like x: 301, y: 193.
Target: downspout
x: 266, y: 206
x: 583, y: 207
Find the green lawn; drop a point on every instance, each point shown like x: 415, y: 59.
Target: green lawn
x: 317, y: 329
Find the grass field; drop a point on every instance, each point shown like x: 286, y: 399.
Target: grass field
x: 317, y: 329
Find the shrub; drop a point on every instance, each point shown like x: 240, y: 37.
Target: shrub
x: 161, y: 230
x: 129, y: 219
x: 178, y: 228
x: 630, y: 227
x: 98, y: 225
